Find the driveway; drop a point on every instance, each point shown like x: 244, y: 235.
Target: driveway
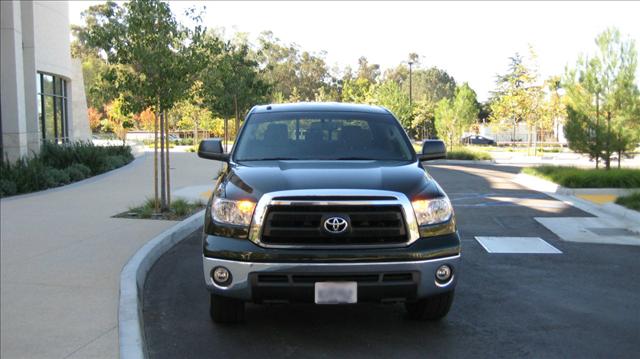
x: 583, y: 302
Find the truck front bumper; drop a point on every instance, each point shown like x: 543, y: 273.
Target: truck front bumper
x: 294, y: 282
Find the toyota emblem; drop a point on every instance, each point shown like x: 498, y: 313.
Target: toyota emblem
x: 335, y: 225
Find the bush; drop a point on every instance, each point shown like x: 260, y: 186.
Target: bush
x: 57, y: 165
x: 55, y: 177
x: 465, y: 154
x: 572, y: 177
x: 631, y: 201
x: 78, y: 172
x: 7, y: 188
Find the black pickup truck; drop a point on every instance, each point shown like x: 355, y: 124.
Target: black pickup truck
x: 327, y: 203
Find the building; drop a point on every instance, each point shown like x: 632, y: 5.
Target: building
x: 42, y: 89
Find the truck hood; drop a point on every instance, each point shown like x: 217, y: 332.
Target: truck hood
x: 253, y: 179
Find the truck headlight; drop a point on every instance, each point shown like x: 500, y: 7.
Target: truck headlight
x: 232, y: 212
x: 432, y: 211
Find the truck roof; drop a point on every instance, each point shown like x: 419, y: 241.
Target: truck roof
x: 319, y: 107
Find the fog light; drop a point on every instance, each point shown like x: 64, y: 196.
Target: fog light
x: 221, y: 276
x: 443, y: 273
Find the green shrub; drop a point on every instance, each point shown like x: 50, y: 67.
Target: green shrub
x: 7, y: 188
x: 57, y: 164
x: 465, y: 154
x: 631, y: 201
x: 78, y: 172
x: 573, y: 177
x: 55, y: 177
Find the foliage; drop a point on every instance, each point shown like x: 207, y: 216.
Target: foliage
x: 179, y: 209
x: 573, y: 177
x: 603, y: 101
x: 389, y: 95
x: 117, y: 121
x: 631, y: 201
x: 357, y: 90
x: 145, y: 40
x: 468, y: 154
x: 519, y: 97
x: 288, y: 69
x: 423, y: 119
x: 95, y: 119
x: 57, y: 165
x: 233, y: 84
x: 453, y: 117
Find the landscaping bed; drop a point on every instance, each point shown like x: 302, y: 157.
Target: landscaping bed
x: 179, y: 210
x: 468, y: 154
x: 57, y: 165
x: 572, y: 177
x: 631, y: 201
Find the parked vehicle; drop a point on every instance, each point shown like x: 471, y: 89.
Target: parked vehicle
x: 478, y: 140
x: 328, y: 204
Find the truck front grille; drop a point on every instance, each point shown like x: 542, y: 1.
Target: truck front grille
x: 303, y: 225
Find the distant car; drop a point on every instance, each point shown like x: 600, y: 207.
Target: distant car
x: 478, y: 140
x: 174, y: 138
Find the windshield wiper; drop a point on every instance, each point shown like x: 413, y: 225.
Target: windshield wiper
x: 353, y: 159
x: 270, y: 159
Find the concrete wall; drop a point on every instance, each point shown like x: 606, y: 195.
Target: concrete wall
x: 35, y: 38
x: 12, y: 100
x: 53, y: 49
x: 78, y: 118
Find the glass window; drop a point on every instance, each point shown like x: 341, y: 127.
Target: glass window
x: 52, y: 107
x: 323, y: 136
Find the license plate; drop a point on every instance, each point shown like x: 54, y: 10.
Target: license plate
x: 336, y: 292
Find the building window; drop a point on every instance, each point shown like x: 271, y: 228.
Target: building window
x: 52, y: 107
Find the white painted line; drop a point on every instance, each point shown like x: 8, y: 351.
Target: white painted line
x: 516, y: 245
x: 132, y: 278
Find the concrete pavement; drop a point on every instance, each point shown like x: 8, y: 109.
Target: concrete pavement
x: 62, y: 253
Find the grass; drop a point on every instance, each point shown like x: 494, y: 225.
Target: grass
x: 573, y: 177
x: 179, y: 210
x: 631, y: 201
x: 60, y: 164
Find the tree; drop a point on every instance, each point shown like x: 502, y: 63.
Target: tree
x: 95, y: 117
x: 232, y: 83
x: 603, y: 100
x: 152, y: 59
x: 519, y: 97
x: 556, y: 110
x: 389, y: 95
x: 445, y: 118
x: 453, y: 117
x: 423, y: 119
x: 357, y: 90
x: 117, y: 120
x: 286, y: 68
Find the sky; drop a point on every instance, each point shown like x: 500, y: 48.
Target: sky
x: 472, y: 41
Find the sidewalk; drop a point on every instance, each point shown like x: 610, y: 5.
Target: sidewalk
x: 62, y: 253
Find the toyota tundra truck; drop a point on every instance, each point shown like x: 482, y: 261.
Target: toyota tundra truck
x: 327, y: 203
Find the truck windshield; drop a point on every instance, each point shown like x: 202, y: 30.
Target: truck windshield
x: 322, y: 136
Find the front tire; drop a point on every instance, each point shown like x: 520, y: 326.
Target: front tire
x: 226, y: 310
x: 433, y: 308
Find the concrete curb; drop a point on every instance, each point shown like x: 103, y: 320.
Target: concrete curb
x: 132, y: 279
x: 629, y: 217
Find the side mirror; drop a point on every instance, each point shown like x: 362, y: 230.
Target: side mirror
x: 433, y: 150
x: 212, y: 150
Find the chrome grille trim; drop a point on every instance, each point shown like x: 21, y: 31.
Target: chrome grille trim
x: 271, y: 199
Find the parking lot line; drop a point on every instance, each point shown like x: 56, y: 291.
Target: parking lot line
x: 516, y: 245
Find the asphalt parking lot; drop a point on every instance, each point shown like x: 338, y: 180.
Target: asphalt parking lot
x: 583, y: 302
